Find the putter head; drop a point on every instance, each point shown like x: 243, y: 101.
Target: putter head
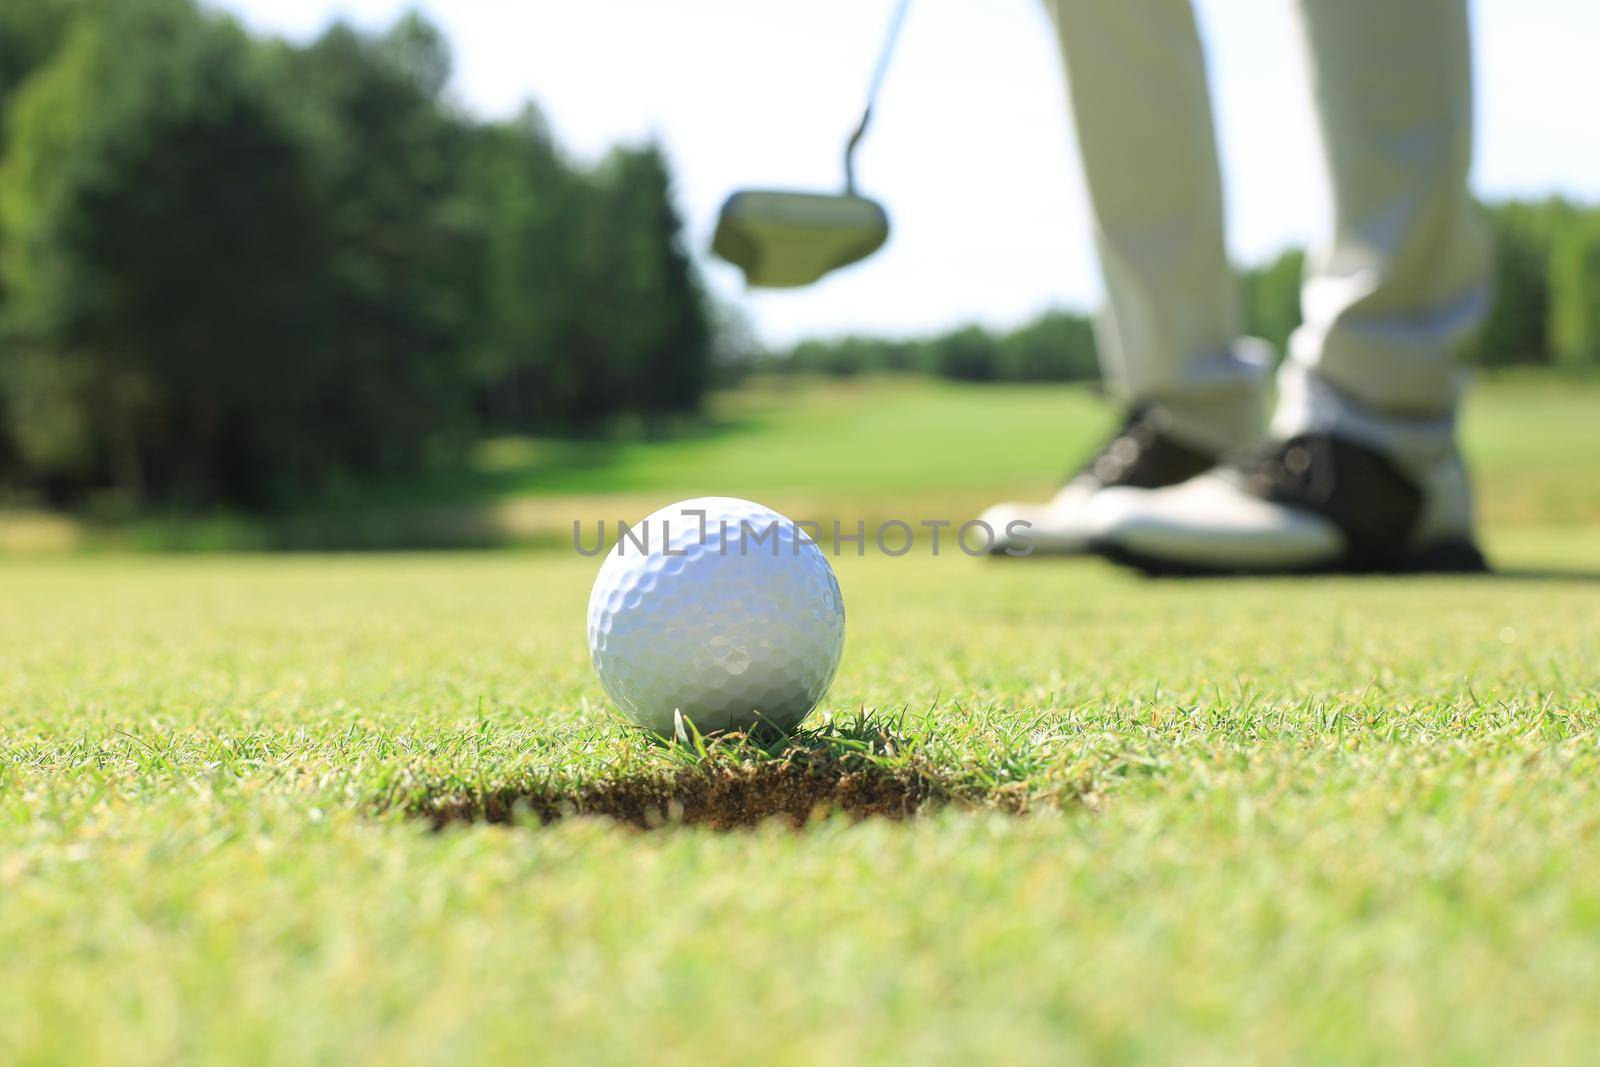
x: 784, y: 239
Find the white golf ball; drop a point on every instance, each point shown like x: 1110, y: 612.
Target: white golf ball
x: 721, y: 610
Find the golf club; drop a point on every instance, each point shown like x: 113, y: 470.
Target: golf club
x: 782, y: 239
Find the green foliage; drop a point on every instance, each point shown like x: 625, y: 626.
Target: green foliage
x: 1056, y: 347
x: 846, y: 357
x: 237, y: 270
x: 589, y: 306
x: 1516, y: 329
x: 526, y: 205
x: 392, y: 300
x: 1575, y: 295
x: 1270, y: 299
x: 641, y: 319
x: 30, y: 32
x: 160, y: 221
x: 970, y: 354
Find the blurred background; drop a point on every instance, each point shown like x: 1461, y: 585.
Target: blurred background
x: 363, y: 274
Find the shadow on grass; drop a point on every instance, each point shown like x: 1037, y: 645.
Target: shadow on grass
x: 1543, y: 574
x: 455, y: 504
x: 1491, y: 577
x: 736, y: 782
x: 1181, y: 574
x: 564, y: 463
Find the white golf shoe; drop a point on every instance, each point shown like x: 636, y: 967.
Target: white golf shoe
x: 1057, y: 527
x: 1138, y: 457
x: 1315, y: 503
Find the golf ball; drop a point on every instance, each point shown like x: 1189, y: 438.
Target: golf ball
x: 717, y: 609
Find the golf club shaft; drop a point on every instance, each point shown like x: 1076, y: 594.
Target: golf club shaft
x: 872, y: 95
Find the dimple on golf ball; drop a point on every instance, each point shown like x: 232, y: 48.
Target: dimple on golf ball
x: 718, y: 610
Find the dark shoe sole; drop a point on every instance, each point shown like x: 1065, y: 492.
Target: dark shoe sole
x: 1086, y: 552
x: 1454, y: 556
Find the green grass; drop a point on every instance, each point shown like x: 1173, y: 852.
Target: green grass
x: 911, y: 438
x: 1299, y: 821
x: 871, y: 449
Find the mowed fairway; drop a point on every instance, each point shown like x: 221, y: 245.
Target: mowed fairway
x: 1282, y: 821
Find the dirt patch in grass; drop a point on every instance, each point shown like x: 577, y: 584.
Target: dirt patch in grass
x: 792, y: 789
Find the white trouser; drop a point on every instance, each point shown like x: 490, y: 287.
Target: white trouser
x: 1387, y: 296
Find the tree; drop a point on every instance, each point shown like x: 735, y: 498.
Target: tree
x: 400, y: 241
x: 1270, y: 297
x: 30, y: 33
x: 158, y: 217
x: 735, y: 348
x: 1517, y: 326
x: 1575, y: 295
x: 234, y: 271
x: 1058, y: 346
x: 525, y: 204
x: 969, y: 354
x: 645, y: 309
x: 585, y: 303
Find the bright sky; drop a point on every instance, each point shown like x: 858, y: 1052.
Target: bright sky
x: 971, y: 148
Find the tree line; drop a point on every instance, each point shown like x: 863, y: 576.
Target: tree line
x: 1058, y: 346
x: 234, y: 269
x: 1545, y: 312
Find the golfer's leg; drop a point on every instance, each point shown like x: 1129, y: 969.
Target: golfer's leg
x: 1404, y: 277
x: 1136, y: 76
